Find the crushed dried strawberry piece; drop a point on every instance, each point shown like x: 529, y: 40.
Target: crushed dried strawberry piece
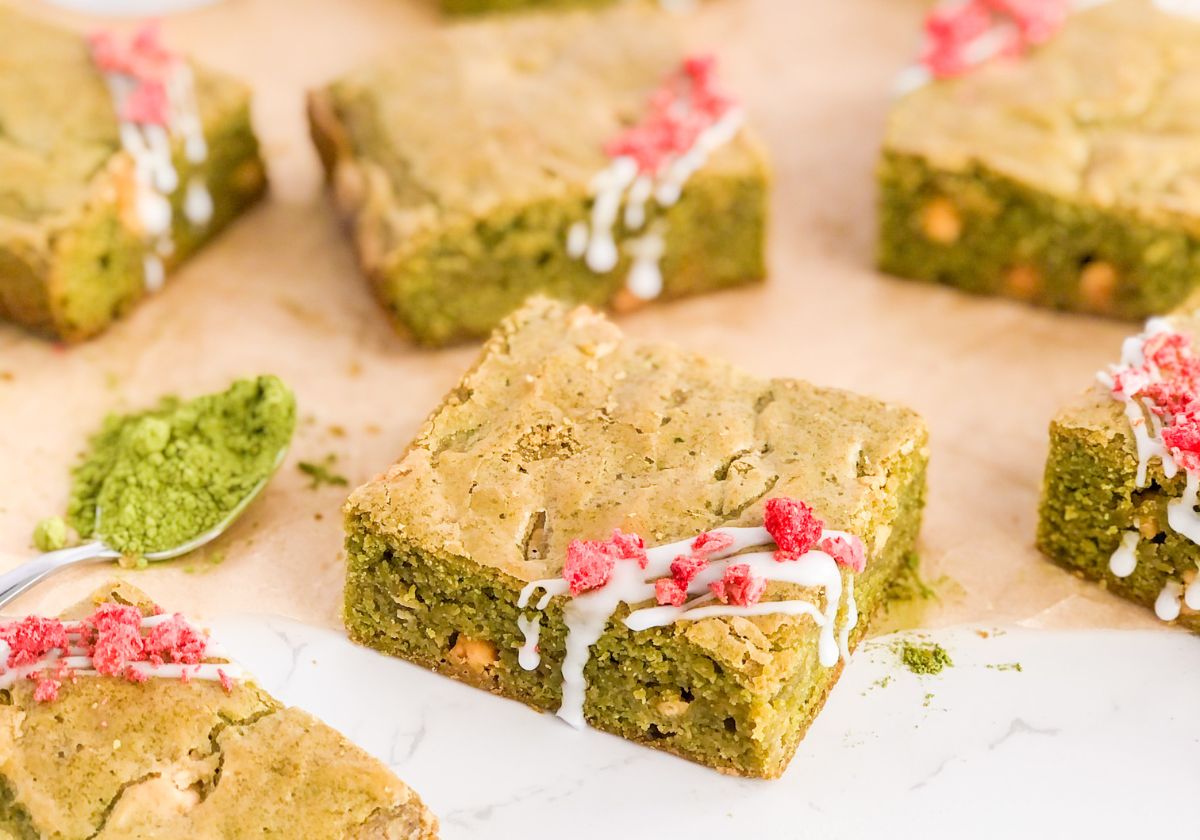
x: 147, y: 104
x: 793, y: 526
x: 144, y: 58
x: 31, y: 638
x: 1037, y: 20
x: 1183, y: 440
x: 1172, y: 354
x: 46, y: 690
x: 677, y: 113
x: 1170, y: 399
x: 847, y: 551
x: 226, y: 680
x: 590, y: 563
x: 668, y: 592
x: 175, y: 640
x: 711, y: 542
x: 739, y: 586
x: 118, y: 638
x: 629, y: 546
x: 685, y: 567
x: 953, y: 33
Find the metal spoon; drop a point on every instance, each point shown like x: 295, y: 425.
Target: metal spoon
x: 23, y: 577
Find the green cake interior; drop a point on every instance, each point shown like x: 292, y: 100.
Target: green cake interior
x: 565, y: 430
x: 1061, y: 177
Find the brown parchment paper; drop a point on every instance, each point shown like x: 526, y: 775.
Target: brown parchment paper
x: 280, y: 293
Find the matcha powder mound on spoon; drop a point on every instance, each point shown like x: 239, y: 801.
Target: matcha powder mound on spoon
x: 160, y: 478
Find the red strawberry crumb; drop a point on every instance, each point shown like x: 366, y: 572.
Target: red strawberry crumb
x: 46, y: 690
x: 147, y: 104
x: 133, y: 675
x: 848, y: 552
x: 739, y: 586
x: 1183, y: 440
x: 175, y: 640
x: 792, y: 525
x: 711, y: 542
x: 678, y: 112
x: 668, y: 592
x: 118, y: 638
x: 31, y: 638
x: 590, y: 563
x: 685, y: 567
x: 226, y: 680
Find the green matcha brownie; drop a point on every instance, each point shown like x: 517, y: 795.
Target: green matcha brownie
x: 1049, y: 155
x: 582, y: 156
x: 1120, y: 493
x: 167, y: 738
x: 643, y: 539
x: 117, y: 161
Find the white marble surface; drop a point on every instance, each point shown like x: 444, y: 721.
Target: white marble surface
x: 1098, y: 732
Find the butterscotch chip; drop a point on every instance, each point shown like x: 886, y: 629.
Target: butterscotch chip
x: 1097, y: 284
x: 941, y: 222
x: 1023, y: 281
x: 476, y: 654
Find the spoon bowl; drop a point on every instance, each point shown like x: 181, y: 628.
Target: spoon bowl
x: 25, y: 576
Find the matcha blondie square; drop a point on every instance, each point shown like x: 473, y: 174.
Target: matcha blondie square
x: 211, y: 756
x: 1119, y: 499
x: 117, y: 161
x: 584, y: 156
x: 639, y: 538
x: 1064, y: 174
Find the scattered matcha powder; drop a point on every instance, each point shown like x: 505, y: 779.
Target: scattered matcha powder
x: 907, y: 584
x: 1006, y: 666
x: 924, y: 658
x: 156, y: 479
x: 322, y: 473
x: 50, y: 534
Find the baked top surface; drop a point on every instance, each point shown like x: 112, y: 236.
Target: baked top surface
x: 565, y: 429
x: 1107, y: 111
x: 169, y: 759
x: 58, y: 125
x: 508, y: 110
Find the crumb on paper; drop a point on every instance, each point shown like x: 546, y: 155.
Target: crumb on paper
x: 322, y: 474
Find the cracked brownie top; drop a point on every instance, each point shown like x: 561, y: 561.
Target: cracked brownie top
x: 565, y: 430
x: 506, y: 111
x: 1106, y: 111
x: 114, y: 756
x: 58, y: 124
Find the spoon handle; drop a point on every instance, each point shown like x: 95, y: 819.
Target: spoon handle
x: 15, y: 582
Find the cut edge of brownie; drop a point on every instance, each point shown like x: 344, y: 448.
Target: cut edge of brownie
x: 448, y: 613
x: 968, y: 227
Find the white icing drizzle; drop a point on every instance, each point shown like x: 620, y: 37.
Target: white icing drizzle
x: 620, y: 185
x: 1191, y: 595
x: 1124, y: 559
x: 155, y: 177
x: 1166, y: 606
x: 531, y: 628
x: 80, y: 663
x: 587, y: 615
x: 645, y: 275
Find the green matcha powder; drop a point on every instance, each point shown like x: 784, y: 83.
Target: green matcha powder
x: 162, y: 477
